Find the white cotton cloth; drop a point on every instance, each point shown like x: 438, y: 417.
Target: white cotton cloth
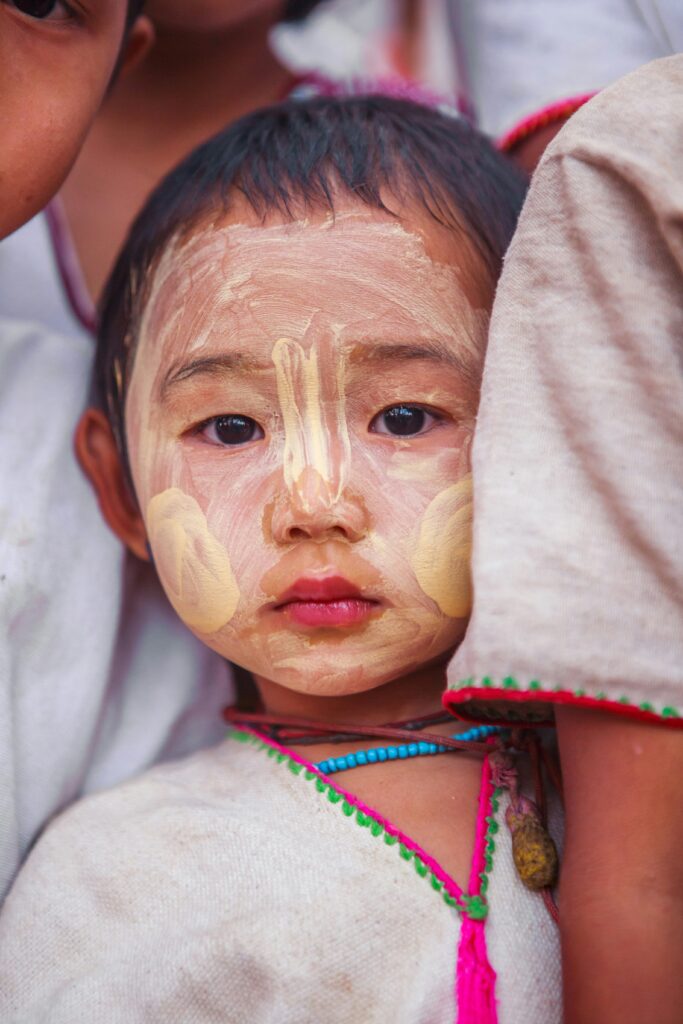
x: 520, y: 56
x: 578, y: 452
x: 98, y: 679
x: 351, y: 39
x: 228, y: 888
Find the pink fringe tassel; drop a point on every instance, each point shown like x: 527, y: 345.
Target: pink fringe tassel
x: 475, y: 988
x: 476, y: 984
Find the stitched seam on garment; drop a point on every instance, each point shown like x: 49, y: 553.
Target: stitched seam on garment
x: 510, y: 689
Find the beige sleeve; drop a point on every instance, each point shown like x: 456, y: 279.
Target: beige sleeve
x: 578, y: 457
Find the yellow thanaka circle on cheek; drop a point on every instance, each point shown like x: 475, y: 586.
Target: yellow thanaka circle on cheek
x: 193, y: 565
x: 441, y: 561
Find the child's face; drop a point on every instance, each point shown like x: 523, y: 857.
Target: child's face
x: 299, y: 422
x: 56, y: 60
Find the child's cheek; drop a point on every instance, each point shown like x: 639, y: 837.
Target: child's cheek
x: 441, y: 554
x: 437, y: 542
x: 193, y: 565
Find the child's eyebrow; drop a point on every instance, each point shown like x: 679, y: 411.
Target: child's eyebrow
x: 380, y: 352
x: 225, y: 362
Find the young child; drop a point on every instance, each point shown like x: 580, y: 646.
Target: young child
x: 44, y: 42
x: 289, y: 360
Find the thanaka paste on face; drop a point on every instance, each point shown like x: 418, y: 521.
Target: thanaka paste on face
x: 193, y: 566
x: 316, y: 452
x: 319, y: 494
x: 442, y: 556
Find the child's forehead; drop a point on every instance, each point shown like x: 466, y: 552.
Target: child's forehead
x: 233, y: 255
x: 351, y: 273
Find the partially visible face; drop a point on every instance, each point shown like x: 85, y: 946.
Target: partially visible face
x: 299, y: 421
x: 56, y: 60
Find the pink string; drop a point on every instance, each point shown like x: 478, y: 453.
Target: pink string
x: 69, y: 267
x: 475, y: 985
x: 476, y: 979
x: 484, y: 811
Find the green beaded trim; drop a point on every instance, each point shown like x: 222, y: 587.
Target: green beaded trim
x: 490, y: 843
x: 474, y: 907
x: 511, y: 684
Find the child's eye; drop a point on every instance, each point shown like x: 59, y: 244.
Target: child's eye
x: 232, y: 429
x: 43, y: 10
x: 404, y: 421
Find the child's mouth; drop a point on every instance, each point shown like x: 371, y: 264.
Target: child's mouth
x: 328, y: 602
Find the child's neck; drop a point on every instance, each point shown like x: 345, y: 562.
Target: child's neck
x: 202, y: 78
x: 410, y: 697
x: 434, y: 800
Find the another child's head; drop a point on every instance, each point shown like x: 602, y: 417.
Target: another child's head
x: 290, y: 359
x: 56, y: 61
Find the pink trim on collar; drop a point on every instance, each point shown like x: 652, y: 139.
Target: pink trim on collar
x: 560, y: 110
x: 69, y: 267
x: 475, y: 978
x: 450, y: 885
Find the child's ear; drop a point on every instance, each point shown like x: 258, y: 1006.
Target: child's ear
x: 99, y: 458
x: 138, y: 42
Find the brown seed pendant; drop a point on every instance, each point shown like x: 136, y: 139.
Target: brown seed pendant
x: 533, y: 850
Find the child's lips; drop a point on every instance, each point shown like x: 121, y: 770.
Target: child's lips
x: 330, y: 601
x: 344, y: 612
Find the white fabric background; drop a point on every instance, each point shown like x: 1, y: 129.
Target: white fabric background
x: 520, y: 55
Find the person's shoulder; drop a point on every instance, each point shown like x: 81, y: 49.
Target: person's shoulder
x: 631, y: 115
x: 219, y: 779
x: 176, y: 819
x: 99, y: 822
x: 171, y: 818
x: 210, y: 772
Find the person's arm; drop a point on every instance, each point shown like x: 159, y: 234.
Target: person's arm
x: 528, y: 151
x: 578, y: 561
x: 621, y: 890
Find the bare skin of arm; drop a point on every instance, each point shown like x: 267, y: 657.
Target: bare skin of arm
x: 528, y: 151
x: 621, y: 891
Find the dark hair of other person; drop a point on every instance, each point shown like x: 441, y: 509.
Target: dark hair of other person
x: 134, y: 9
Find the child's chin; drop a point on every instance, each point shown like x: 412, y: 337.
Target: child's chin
x: 335, y: 676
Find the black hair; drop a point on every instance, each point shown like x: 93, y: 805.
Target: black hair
x: 297, y: 10
x: 134, y: 9
x: 299, y: 155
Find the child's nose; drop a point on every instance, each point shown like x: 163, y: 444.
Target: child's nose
x: 311, y: 510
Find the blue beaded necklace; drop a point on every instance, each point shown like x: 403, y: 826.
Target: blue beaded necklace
x: 376, y: 755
